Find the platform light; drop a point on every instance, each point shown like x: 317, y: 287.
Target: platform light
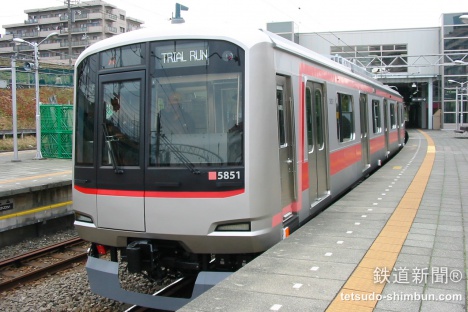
x: 460, y: 62
x: 464, y: 18
x: 462, y: 84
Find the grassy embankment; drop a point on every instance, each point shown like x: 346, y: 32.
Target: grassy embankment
x: 26, y: 112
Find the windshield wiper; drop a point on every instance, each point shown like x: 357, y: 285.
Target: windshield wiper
x: 109, y: 140
x: 184, y: 160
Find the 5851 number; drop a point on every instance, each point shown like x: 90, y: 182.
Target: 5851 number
x: 229, y: 175
x: 224, y: 175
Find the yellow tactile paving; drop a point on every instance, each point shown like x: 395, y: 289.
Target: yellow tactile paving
x: 400, y: 229
x: 363, y: 272
x: 377, y: 263
x: 386, y: 247
x: 379, y: 254
x: 401, y: 219
x: 403, y: 215
x: 390, y: 240
x: 359, y: 290
x: 349, y: 306
x: 361, y: 284
x: 410, y: 203
x: 395, y: 235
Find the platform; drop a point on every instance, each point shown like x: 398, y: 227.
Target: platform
x: 397, y: 242
x: 28, y: 173
x: 32, y: 193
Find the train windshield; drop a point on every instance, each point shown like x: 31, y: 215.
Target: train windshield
x: 197, y: 106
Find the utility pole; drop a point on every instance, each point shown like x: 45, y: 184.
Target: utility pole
x: 69, y: 33
x: 13, y: 103
x: 35, y: 46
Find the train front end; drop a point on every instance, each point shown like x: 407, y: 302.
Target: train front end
x: 161, y: 156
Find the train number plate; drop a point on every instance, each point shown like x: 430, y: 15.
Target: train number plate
x: 224, y: 175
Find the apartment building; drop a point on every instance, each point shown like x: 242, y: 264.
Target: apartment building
x: 78, y: 24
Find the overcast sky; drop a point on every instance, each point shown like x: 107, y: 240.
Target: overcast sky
x: 308, y: 15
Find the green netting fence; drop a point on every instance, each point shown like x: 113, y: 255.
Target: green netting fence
x: 56, y: 130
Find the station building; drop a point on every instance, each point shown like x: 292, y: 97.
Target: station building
x: 428, y: 66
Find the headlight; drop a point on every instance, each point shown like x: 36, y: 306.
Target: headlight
x: 233, y: 227
x: 83, y: 218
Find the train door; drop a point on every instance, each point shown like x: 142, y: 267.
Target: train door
x: 120, y: 169
x: 316, y: 142
x: 365, y: 144
x: 386, y: 128
x: 286, y: 141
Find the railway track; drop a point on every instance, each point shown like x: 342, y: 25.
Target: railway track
x: 42, y: 262
x: 179, y: 288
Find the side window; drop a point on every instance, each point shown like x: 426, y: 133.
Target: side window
x: 314, y: 119
x: 345, y: 118
x: 392, y: 116
x: 281, y: 116
x: 402, y: 115
x: 385, y: 109
x: 319, y: 118
x: 376, y: 120
x: 85, y: 112
x: 310, y: 142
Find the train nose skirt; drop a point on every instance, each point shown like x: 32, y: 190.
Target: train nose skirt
x: 104, y: 280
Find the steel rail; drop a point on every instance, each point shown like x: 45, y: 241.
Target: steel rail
x: 43, y: 270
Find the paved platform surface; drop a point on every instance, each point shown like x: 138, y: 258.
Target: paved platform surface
x: 30, y: 174
x: 397, y: 242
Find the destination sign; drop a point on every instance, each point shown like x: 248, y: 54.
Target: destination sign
x: 182, y: 55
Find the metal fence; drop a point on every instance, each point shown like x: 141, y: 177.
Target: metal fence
x: 56, y: 130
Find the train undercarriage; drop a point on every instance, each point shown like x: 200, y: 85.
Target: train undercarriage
x: 158, y: 259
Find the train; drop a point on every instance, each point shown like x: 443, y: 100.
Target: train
x: 198, y: 148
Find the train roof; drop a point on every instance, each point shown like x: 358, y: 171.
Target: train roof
x: 245, y: 37
x: 242, y: 36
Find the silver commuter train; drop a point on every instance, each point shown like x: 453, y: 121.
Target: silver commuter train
x: 197, y: 149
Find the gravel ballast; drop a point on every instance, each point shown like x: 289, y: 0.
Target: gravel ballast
x: 64, y: 291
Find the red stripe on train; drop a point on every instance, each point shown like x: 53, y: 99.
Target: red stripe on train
x: 377, y: 144
x: 344, y: 158
x: 156, y: 194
